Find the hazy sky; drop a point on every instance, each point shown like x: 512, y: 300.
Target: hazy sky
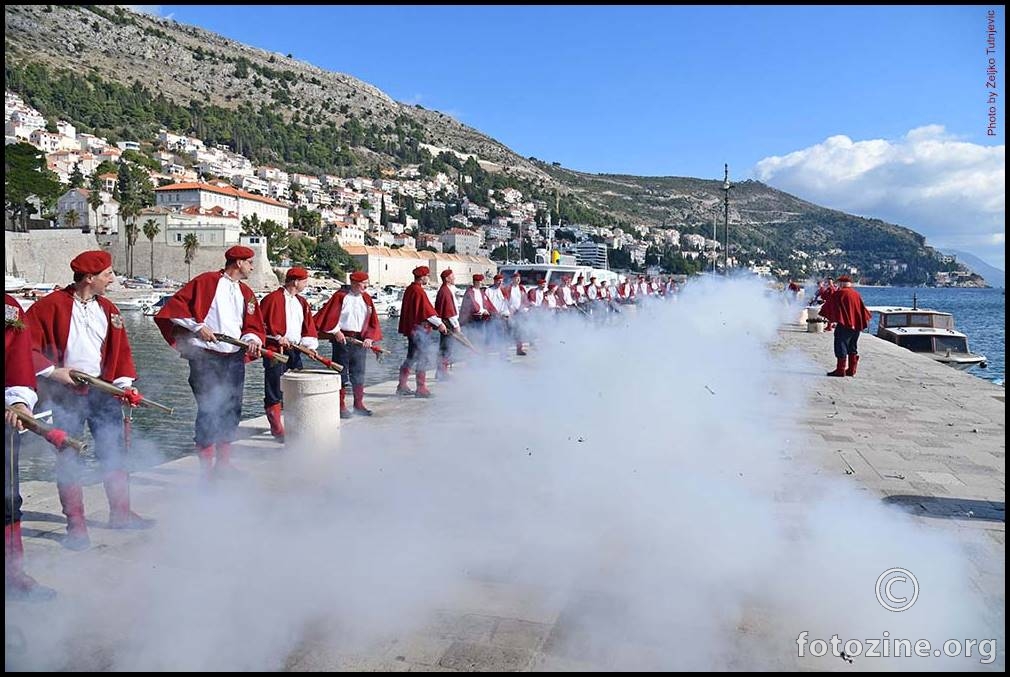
x: 881, y: 112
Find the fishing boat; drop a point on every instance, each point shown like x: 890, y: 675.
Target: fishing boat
x: 928, y: 332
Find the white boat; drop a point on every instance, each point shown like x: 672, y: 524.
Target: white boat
x: 139, y: 302
x: 14, y: 284
x: 927, y: 332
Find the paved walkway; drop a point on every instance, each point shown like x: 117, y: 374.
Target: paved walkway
x: 923, y: 437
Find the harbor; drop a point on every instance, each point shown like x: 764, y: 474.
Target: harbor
x: 587, y: 513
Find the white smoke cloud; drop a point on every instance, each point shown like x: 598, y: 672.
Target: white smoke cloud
x: 949, y: 190
x: 645, y: 482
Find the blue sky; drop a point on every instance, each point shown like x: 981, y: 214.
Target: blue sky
x: 773, y: 91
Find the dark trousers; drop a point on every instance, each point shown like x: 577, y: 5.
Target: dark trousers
x: 845, y: 341
x: 352, y: 358
x: 217, y: 380
x: 419, y: 350
x: 272, y: 372
x: 103, y: 415
x: 445, y: 346
x: 12, y: 478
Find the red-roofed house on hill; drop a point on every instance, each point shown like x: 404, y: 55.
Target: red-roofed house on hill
x: 228, y: 199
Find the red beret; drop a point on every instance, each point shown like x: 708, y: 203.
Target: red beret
x: 239, y: 253
x: 541, y: 281
x: 92, y: 262
x: 552, y: 285
x: 478, y: 278
x: 359, y: 276
x: 297, y: 273
x: 844, y: 278
x: 421, y: 271
x: 446, y: 273
x: 498, y: 277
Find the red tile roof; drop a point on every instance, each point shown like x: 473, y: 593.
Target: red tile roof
x: 221, y: 190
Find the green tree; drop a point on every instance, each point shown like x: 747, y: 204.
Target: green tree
x: 151, y: 230
x: 95, y: 199
x: 76, y: 177
x: 274, y: 233
x: 383, y: 215
x: 26, y: 176
x: 71, y: 218
x: 190, y: 244
x: 334, y: 258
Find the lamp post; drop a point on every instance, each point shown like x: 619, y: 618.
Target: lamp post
x: 725, y: 217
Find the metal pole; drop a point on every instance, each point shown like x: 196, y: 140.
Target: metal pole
x: 726, y: 187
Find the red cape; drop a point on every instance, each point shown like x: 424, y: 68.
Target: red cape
x: 845, y: 307
x: 329, y: 315
x: 49, y: 319
x: 18, y: 367
x: 194, y: 300
x: 416, y: 309
x: 275, y: 318
x: 445, y: 303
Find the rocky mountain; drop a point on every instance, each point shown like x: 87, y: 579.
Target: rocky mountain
x: 250, y: 99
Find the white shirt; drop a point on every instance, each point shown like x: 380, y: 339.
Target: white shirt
x: 592, y: 292
x: 293, y: 317
x: 224, y: 317
x: 477, y: 299
x: 497, y: 299
x: 88, y: 330
x: 538, y: 297
x: 353, y: 313
x: 566, y: 296
x: 515, y: 298
x: 20, y: 394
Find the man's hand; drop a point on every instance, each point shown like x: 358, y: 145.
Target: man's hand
x: 206, y: 334
x: 12, y: 419
x: 284, y: 343
x: 62, y: 375
x: 367, y: 343
x: 443, y: 330
x: 254, y: 349
x: 339, y: 337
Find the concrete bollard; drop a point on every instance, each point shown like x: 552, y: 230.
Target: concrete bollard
x: 311, y: 409
x: 815, y: 323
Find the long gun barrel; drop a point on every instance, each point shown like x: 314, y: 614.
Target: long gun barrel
x: 269, y: 354
x: 54, y: 436
x: 86, y: 379
x: 330, y: 364
x: 379, y: 350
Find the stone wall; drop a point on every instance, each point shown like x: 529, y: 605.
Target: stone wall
x: 44, y: 256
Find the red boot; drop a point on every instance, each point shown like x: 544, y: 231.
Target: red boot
x: 520, y: 350
x: 17, y: 584
x: 839, y: 368
x: 421, y: 378
x: 853, y: 363
x: 72, y: 500
x: 359, y: 402
x: 206, y: 455
x: 117, y: 489
x: 442, y: 374
x: 344, y: 413
x: 401, y: 388
x: 275, y: 420
x: 223, y: 467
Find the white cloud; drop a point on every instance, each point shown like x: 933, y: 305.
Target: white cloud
x: 153, y: 10
x: 951, y: 191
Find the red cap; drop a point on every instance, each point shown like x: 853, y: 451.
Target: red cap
x: 844, y: 278
x: 92, y: 262
x: 297, y: 273
x: 552, y: 285
x: 446, y: 273
x: 517, y: 274
x: 239, y: 253
x: 421, y: 271
x: 359, y: 276
x: 541, y: 282
x: 478, y: 278
x: 498, y: 277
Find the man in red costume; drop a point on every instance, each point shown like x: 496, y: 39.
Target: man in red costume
x: 445, y: 306
x: 417, y: 317
x: 216, y: 302
x: 76, y: 328
x: 845, y: 308
x: 287, y: 321
x: 351, y: 314
x: 19, y: 394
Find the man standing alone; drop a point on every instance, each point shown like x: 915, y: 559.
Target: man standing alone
x: 846, y: 309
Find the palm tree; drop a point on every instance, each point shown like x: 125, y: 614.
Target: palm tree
x: 71, y: 218
x: 190, y: 244
x: 128, y: 211
x: 95, y: 201
x: 151, y: 230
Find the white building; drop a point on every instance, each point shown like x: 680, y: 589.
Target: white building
x: 206, y: 196
x: 591, y: 254
x: 462, y: 240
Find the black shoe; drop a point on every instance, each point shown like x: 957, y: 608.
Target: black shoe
x: 362, y: 411
x: 404, y: 391
x: 344, y: 414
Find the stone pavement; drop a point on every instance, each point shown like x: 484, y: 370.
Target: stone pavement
x: 925, y: 438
